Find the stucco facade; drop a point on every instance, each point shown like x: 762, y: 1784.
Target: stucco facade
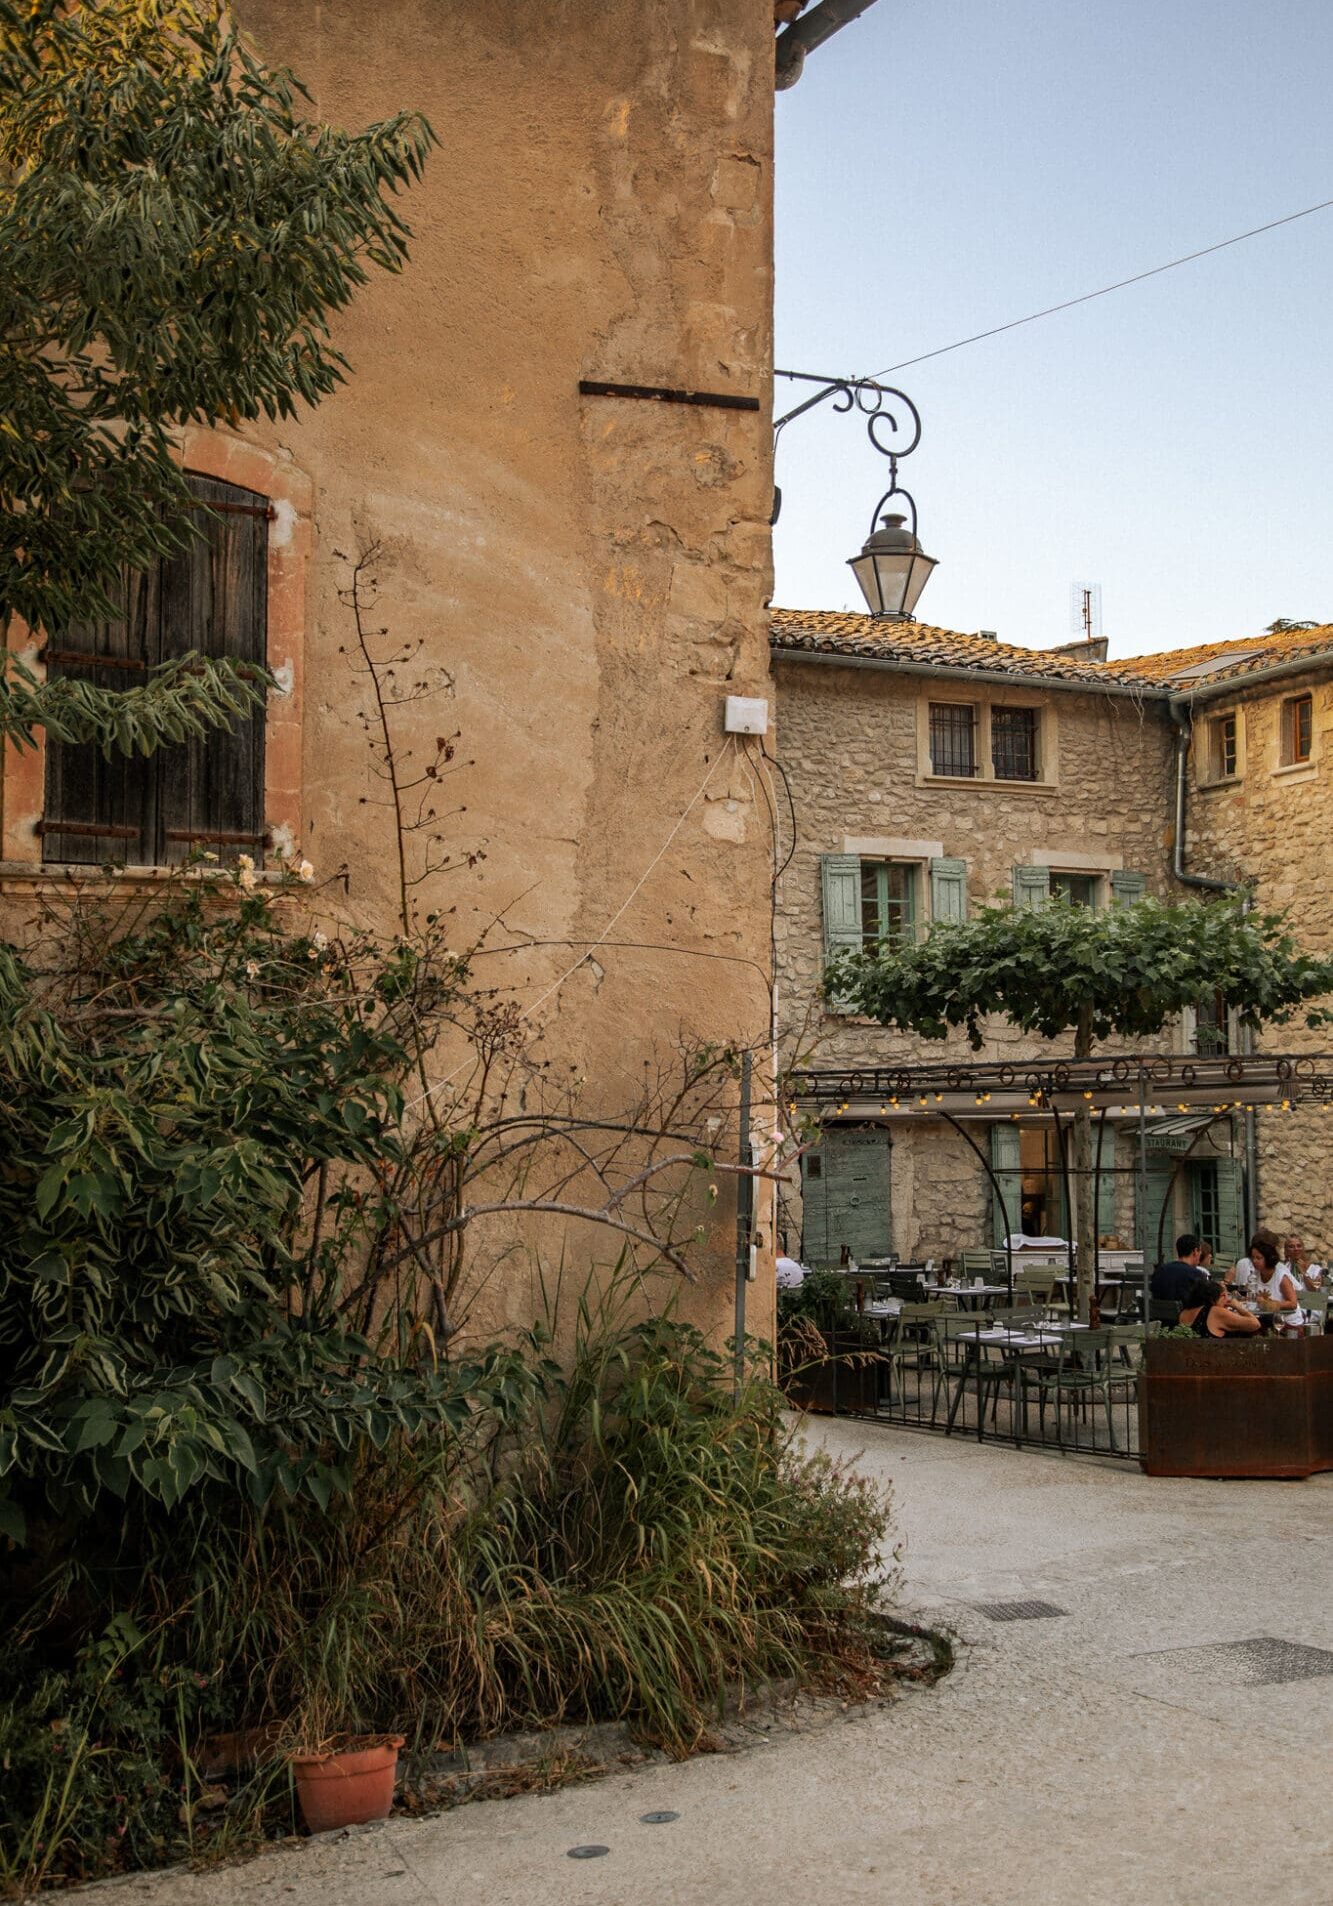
x: 581, y: 578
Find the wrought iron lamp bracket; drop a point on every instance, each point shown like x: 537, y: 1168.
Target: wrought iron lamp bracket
x: 883, y: 407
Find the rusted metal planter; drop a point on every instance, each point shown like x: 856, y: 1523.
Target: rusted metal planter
x: 1257, y: 1406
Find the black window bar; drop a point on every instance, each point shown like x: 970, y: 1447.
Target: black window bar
x: 953, y: 738
x: 1014, y: 743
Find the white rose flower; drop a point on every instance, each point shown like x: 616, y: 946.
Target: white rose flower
x: 305, y: 872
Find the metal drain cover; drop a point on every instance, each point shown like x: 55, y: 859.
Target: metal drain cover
x: 1019, y: 1611
x: 1264, y: 1662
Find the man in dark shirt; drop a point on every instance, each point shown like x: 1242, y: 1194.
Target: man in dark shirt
x: 1174, y: 1282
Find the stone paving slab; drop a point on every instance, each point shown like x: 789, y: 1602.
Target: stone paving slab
x: 1052, y: 1764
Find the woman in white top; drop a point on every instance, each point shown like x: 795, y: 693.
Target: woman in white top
x: 1243, y: 1277
x: 1274, y: 1286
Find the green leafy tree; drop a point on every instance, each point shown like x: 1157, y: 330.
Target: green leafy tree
x: 1062, y: 971
x: 174, y: 240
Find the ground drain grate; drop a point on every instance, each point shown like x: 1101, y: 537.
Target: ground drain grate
x: 1019, y: 1611
x: 1264, y: 1662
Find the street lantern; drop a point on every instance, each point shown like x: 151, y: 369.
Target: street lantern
x: 892, y: 568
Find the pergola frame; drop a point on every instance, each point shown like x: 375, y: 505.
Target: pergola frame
x: 1121, y: 1087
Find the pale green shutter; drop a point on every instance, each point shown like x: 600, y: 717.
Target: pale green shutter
x: 948, y: 889
x: 1126, y: 888
x: 1005, y: 1162
x: 1229, y: 1243
x: 840, y: 875
x: 1032, y: 886
x: 846, y: 1201
x: 1157, y: 1238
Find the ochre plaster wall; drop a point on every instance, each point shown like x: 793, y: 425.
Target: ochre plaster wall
x: 583, y: 580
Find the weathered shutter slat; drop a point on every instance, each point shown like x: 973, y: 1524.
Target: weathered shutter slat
x: 1229, y: 1243
x: 840, y: 888
x: 948, y: 889
x: 214, y: 601
x: 1126, y: 888
x: 100, y: 809
x: 848, y: 1203
x: 1032, y: 886
x: 1006, y: 1164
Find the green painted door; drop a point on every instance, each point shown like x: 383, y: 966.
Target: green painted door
x: 845, y: 1184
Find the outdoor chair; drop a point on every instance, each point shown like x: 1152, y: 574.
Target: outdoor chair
x: 1086, y: 1369
x: 1163, y: 1310
x: 975, y: 1264
x: 914, y: 1346
x: 1315, y: 1304
x: 1034, y: 1287
x: 964, y: 1358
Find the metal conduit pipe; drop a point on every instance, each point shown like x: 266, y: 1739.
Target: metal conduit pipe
x: 1183, y: 732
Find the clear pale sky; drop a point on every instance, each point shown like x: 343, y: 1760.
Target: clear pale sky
x: 949, y: 166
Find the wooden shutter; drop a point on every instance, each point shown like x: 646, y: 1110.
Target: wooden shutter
x: 214, y: 600
x: 210, y: 597
x: 1005, y: 1162
x: 1229, y: 1244
x: 1032, y: 886
x: 848, y: 1202
x: 840, y: 879
x: 948, y: 889
x: 1149, y: 1224
x: 1104, y: 1166
x: 1126, y: 888
x: 100, y: 809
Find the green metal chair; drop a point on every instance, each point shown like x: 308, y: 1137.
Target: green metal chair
x: 1315, y: 1303
x: 915, y: 1346
x: 1088, y: 1367
x: 964, y: 1358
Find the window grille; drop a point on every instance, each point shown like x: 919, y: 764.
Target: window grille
x: 953, y: 746
x: 209, y: 597
x: 1014, y: 743
x: 1078, y: 890
x: 1211, y: 1035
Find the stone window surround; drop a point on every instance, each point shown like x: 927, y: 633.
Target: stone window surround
x: 1048, y: 738
x: 1204, y: 776
x: 1307, y: 768
x: 1070, y: 860
x: 229, y: 459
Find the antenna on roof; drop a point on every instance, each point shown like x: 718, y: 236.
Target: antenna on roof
x: 1085, y: 610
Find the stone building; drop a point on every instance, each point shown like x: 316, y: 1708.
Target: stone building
x: 932, y: 772
x: 585, y: 572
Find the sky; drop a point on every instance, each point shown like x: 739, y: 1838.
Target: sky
x: 950, y: 166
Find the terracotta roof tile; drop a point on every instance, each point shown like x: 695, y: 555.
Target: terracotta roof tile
x: 1210, y: 662
x: 833, y: 632
x: 838, y: 632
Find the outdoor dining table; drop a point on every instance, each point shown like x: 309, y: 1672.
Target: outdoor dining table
x: 968, y: 1296
x: 1005, y: 1340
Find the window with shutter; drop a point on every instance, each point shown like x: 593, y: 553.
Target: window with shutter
x: 948, y: 889
x: 211, y: 598
x: 1127, y: 887
x: 1032, y: 886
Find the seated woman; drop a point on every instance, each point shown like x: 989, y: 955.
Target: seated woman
x: 1211, y: 1311
x: 1273, y: 1285
x: 1242, y: 1276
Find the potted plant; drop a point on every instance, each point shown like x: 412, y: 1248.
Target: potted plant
x: 346, y: 1780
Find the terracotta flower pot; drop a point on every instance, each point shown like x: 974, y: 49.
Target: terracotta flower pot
x: 347, y: 1785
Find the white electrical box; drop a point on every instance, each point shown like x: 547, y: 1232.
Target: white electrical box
x: 745, y: 715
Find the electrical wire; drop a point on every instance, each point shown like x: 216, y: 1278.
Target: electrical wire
x: 1086, y: 298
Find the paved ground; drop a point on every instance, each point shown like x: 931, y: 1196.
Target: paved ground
x: 1121, y: 1752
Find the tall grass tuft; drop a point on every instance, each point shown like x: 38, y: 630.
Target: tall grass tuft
x: 625, y: 1539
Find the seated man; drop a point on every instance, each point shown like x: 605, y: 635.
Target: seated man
x: 1174, y: 1282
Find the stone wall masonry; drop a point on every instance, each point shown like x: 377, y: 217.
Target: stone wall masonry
x: 1273, y: 827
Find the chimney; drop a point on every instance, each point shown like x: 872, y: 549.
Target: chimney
x: 988, y: 635
x: 1088, y: 648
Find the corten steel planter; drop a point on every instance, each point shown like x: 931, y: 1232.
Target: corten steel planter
x: 350, y: 1784
x: 1253, y: 1406
x: 845, y: 1383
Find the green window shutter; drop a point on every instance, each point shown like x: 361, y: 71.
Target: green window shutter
x: 1004, y: 1158
x: 1229, y: 1243
x: 1032, y: 886
x: 948, y: 889
x: 1106, y: 1181
x: 840, y: 875
x: 847, y: 1198
x: 1151, y: 1227
x: 1126, y: 888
